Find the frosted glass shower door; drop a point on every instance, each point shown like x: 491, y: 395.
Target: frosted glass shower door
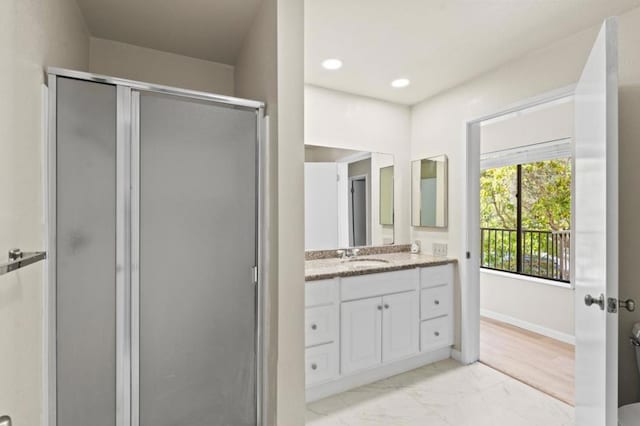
x: 85, y: 254
x: 195, y: 296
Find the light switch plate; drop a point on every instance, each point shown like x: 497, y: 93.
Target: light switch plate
x: 439, y: 249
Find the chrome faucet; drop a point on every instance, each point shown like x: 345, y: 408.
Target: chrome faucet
x: 345, y: 254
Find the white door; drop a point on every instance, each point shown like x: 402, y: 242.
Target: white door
x: 400, y: 321
x: 596, y: 233
x: 361, y: 334
x: 321, y: 206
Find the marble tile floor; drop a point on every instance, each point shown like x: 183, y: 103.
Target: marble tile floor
x: 442, y: 394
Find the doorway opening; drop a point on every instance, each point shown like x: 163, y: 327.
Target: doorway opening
x: 524, y: 269
x: 358, y: 211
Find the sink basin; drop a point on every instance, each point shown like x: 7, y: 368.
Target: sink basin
x: 365, y: 262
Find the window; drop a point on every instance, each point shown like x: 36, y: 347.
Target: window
x: 525, y: 219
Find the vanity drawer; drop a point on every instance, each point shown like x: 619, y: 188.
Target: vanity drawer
x: 434, y: 276
x: 321, y: 363
x: 436, y: 333
x: 378, y: 284
x: 321, y: 325
x: 435, y: 301
x: 318, y: 293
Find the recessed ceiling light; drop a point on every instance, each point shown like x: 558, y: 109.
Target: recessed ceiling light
x: 332, y: 64
x: 400, y: 83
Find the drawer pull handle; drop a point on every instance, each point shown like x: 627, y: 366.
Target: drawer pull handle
x: 314, y: 366
x: 436, y: 302
x: 386, y: 306
x: 314, y: 327
x: 437, y: 333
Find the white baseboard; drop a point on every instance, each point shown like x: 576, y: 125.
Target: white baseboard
x: 344, y: 383
x: 554, y: 334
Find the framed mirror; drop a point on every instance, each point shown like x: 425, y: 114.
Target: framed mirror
x: 429, y: 192
x: 348, y: 198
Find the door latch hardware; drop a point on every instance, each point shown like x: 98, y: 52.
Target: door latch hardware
x: 614, y: 304
x: 590, y: 300
x: 629, y: 304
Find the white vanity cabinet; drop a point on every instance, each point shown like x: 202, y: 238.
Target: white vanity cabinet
x: 400, y: 326
x: 361, y: 332
x: 321, y: 331
x: 436, y: 307
x: 378, y: 330
x: 367, y: 327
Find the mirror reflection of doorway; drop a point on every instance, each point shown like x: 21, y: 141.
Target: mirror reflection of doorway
x: 358, y: 211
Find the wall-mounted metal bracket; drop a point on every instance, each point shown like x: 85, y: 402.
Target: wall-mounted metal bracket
x: 19, y: 259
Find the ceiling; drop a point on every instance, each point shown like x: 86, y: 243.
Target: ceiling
x: 437, y: 44
x: 207, y: 29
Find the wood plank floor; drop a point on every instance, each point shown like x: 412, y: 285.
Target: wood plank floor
x: 539, y: 361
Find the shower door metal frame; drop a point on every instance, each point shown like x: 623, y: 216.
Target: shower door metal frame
x: 127, y: 241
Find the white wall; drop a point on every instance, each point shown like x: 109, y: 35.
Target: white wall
x: 539, y: 307
x: 438, y: 127
x: 501, y: 296
x: 543, y: 123
x: 270, y: 68
x: 33, y: 34
x: 341, y: 120
x: 124, y: 60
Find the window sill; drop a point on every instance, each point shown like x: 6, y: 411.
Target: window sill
x: 535, y: 280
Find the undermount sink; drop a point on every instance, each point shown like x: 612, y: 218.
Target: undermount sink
x: 365, y: 262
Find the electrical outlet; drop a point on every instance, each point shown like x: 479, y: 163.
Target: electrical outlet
x: 439, y: 249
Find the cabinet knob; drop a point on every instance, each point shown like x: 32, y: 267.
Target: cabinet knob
x: 379, y: 307
x: 437, y: 333
x: 436, y: 302
x: 314, y: 327
x: 314, y: 366
x: 386, y: 306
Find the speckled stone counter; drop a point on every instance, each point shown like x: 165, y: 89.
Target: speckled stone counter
x: 325, y: 268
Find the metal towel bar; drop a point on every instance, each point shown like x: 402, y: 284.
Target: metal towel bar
x: 19, y: 259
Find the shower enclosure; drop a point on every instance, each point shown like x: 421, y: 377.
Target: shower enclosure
x: 153, y: 296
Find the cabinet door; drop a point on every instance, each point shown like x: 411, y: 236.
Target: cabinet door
x: 400, y: 325
x: 361, y: 326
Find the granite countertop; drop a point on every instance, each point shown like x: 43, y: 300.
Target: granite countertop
x: 325, y: 268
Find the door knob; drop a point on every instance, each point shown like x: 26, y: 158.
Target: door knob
x: 590, y: 300
x: 629, y: 305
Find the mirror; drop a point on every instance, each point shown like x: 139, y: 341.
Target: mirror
x: 348, y: 198
x: 386, y: 195
x: 429, y: 189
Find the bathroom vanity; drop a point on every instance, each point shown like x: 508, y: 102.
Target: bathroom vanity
x: 374, y: 315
